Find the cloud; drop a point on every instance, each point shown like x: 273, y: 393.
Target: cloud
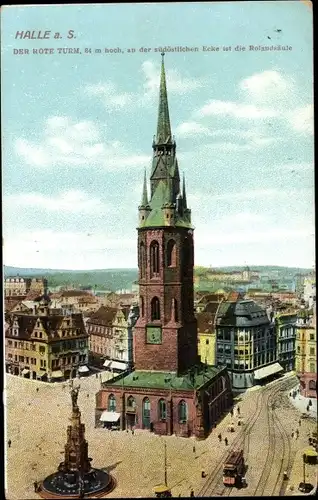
x: 302, y: 120
x: 67, y: 143
x: 233, y: 139
x: 114, y: 99
x: 111, y: 98
x: 235, y: 110
x: 242, y: 218
x: 72, y: 201
x: 251, y: 194
x: 69, y: 250
x: 263, y: 87
x: 176, y: 83
x: 189, y: 129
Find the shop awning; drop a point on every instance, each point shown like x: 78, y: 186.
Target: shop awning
x: 25, y: 371
x: 267, y: 371
x: 83, y: 369
x: 57, y: 374
x: 109, y: 416
x: 107, y: 363
x: 117, y: 365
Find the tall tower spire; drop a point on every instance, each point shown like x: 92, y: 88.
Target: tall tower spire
x: 163, y: 128
x: 184, y: 196
x: 144, y: 198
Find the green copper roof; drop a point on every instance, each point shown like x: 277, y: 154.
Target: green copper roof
x: 166, y: 380
x: 163, y: 127
x: 156, y: 217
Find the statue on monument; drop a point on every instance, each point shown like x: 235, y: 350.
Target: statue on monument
x: 74, y: 396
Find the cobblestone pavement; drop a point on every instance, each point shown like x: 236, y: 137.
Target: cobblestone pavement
x: 36, y: 424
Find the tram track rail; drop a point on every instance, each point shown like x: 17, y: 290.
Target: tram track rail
x: 214, y: 484
x: 276, y: 433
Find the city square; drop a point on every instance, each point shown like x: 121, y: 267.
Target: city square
x: 135, y: 460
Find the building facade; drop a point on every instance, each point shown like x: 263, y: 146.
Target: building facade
x: 45, y: 346
x: 169, y: 390
x: 206, y: 338
x: 306, y: 354
x: 109, y: 337
x: 100, y: 331
x: 285, y: 325
x: 16, y: 286
x: 246, y: 342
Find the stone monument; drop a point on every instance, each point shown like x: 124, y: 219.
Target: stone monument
x: 75, y: 477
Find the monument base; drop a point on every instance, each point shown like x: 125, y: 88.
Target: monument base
x: 63, y: 485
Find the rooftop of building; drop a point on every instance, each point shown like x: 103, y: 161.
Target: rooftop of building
x: 103, y: 316
x: 210, y: 297
x: 241, y: 313
x: 50, y: 323
x: 206, y: 322
x: 166, y: 380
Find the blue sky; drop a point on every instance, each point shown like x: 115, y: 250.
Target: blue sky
x: 78, y: 128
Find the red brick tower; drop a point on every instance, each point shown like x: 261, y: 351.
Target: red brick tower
x: 165, y: 337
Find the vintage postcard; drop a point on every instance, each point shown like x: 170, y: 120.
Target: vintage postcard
x: 158, y: 233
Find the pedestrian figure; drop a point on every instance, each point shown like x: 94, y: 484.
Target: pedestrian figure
x: 299, y: 422
x: 232, y: 412
x: 292, y: 434
x: 96, y: 375
x: 193, y: 449
x: 191, y: 493
x: 226, y: 441
x: 297, y: 433
x: 238, y: 410
x: 133, y: 431
x: 37, y: 389
x: 220, y: 437
x: 307, y: 408
x: 35, y: 486
x: 88, y: 395
x: 310, y: 403
x: 9, y: 443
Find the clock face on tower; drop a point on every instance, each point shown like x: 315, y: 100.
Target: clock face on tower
x: 154, y: 335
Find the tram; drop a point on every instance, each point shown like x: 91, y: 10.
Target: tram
x: 234, y: 468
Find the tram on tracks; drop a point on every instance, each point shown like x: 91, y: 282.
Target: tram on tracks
x: 234, y: 469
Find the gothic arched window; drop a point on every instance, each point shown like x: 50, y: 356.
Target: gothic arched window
x: 162, y: 409
x: 131, y: 402
x: 183, y: 411
x: 111, y: 403
x: 312, y: 385
x: 186, y: 257
x: 155, y: 309
x: 154, y: 258
x: 171, y: 254
x: 142, y: 259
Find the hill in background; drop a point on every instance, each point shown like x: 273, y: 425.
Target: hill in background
x: 119, y: 279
